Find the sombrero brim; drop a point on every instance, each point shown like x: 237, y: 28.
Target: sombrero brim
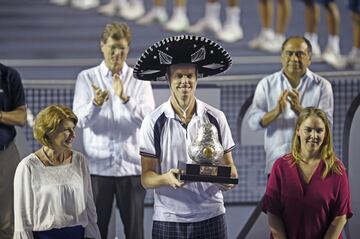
x: 209, y: 57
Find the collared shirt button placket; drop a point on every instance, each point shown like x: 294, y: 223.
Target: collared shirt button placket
x: 112, y: 151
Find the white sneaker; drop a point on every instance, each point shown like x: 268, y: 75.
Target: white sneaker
x: 109, y: 9
x: 273, y: 45
x: 131, y: 11
x: 255, y: 42
x: 261, y: 39
x: 313, y: 39
x: 315, y: 49
x: 60, y: 2
x: 334, y: 58
x: 354, y: 57
x: 154, y: 15
x: 177, y: 23
x: 85, y: 4
x: 211, y: 24
x: 230, y: 33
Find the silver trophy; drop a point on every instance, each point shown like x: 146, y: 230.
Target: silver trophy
x: 206, y: 151
x: 206, y: 148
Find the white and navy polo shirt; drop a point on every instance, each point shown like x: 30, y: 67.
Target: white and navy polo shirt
x: 166, y: 139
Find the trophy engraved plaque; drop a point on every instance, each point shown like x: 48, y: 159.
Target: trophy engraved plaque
x: 206, y: 152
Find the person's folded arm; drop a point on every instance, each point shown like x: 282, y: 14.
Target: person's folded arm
x: 14, y: 117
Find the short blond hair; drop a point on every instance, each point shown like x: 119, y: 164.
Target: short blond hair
x: 48, y: 119
x: 117, y: 31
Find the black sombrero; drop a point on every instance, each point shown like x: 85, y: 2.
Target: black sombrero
x: 209, y: 57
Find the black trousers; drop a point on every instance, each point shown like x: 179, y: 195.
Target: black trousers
x: 129, y: 195
x: 9, y: 159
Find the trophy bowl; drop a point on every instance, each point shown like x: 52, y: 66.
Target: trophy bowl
x: 206, y: 151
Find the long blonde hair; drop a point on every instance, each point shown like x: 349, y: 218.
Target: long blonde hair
x: 327, y: 148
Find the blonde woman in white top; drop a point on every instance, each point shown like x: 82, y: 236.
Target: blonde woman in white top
x: 53, y: 196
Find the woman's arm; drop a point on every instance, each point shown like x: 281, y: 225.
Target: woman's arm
x: 23, y: 203
x: 276, y: 226
x: 336, y: 227
x: 91, y: 230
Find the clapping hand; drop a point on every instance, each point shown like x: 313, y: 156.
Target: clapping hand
x: 294, y: 101
x: 281, y: 104
x: 119, y: 87
x: 100, y: 95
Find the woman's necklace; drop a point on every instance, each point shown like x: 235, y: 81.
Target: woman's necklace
x: 51, y: 162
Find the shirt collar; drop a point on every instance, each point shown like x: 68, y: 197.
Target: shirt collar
x: 170, y: 113
x: 308, y: 74
x: 106, y: 71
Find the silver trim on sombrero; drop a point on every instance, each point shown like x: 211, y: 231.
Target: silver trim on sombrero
x: 199, y: 55
x: 148, y: 72
x: 164, y: 58
x: 213, y: 66
x: 161, y: 78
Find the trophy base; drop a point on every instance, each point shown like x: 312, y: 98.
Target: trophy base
x: 208, y: 173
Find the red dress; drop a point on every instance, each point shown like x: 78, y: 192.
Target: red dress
x: 306, y: 209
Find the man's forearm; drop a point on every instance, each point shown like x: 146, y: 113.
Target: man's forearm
x: 15, y: 117
x: 150, y: 179
x: 269, y: 118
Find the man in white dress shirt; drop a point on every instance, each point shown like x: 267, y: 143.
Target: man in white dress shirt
x: 111, y: 104
x: 280, y: 97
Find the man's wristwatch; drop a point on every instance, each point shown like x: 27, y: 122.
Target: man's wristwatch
x: 127, y: 100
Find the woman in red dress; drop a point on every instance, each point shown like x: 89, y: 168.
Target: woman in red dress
x: 307, y: 196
